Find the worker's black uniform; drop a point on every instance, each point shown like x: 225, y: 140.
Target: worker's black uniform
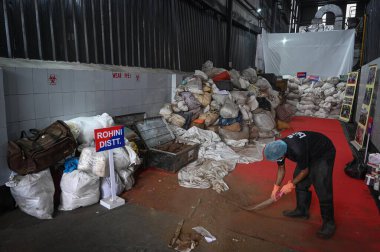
x: 315, y: 151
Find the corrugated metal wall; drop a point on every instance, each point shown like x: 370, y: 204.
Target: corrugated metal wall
x: 372, y: 39
x: 172, y: 34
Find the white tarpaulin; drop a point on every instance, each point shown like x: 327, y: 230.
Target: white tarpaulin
x: 215, y: 159
x: 317, y: 53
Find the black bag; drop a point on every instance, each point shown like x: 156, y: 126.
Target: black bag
x: 45, y: 148
x: 7, y: 202
x: 356, y: 169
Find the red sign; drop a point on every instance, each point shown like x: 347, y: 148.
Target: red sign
x: 52, y: 80
x: 301, y: 75
x: 109, y: 138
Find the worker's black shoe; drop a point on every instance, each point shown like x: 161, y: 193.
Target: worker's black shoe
x: 296, y: 213
x: 303, y: 205
x: 327, y: 230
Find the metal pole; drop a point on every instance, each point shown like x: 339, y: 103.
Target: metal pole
x: 132, y: 37
x: 110, y: 26
x: 94, y: 30
x: 38, y: 29
x: 228, y: 39
x: 125, y: 33
x: 24, y: 30
x: 103, y: 38
x: 75, y: 32
x: 85, y: 30
x: 7, y: 29
x: 118, y: 31
x: 64, y: 30
x: 52, y: 29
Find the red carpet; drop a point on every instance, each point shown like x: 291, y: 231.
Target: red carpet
x: 357, y: 217
x: 356, y: 214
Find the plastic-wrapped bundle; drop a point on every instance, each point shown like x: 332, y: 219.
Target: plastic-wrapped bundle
x: 229, y: 110
x: 190, y: 100
x: 263, y: 83
x: 203, y: 99
x: 252, y: 103
x: 177, y: 120
x: 87, y: 125
x: 209, y: 117
x: 214, y: 106
x: 327, y: 86
x: 79, y: 189
x: 250, y: 75
x: 264, y: 121
x: 34, y: 193
x: 201, y: 75
x: 105, y: 186
x: 193, y: 85
x: 235, y: 76
x: 166, y: 110
x: 226, y: 134
x: 246, y: 113
x: 235, y: 127
x: 239, y: 97
x: 220, y: 98
x: 333, y: 80
x: 329, y: 91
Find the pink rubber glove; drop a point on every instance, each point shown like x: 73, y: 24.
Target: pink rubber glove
x: 275, y: 191
x: 287, y: 188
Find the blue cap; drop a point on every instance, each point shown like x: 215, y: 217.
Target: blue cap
x: 275, y: 150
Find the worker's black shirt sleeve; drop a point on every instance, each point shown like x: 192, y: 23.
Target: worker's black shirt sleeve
x: 304, y: 147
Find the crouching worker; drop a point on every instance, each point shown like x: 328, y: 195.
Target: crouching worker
x: 314, y: 154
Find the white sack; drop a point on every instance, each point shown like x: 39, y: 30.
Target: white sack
x: 87, y: 125
x: 34, y: 193
x: 126, y: 176
x: 220, y: 99
x: 264, y: 121
x: 166, y: 110
x: 105, y: 186
x: 252, y: 103
x: 229, y: 110
x: 201, y: 75
x: 239, y: 97
x: 79, y: 189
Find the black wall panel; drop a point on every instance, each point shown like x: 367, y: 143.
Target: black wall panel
x: 171, y: 34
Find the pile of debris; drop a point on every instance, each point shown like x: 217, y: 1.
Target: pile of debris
x: 235, y: 105
x: 322, y: 98
x: 79, y: 180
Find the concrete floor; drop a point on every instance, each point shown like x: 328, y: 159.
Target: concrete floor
x: 94, y: 228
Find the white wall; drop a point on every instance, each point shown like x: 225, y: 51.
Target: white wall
x: 80, y: 90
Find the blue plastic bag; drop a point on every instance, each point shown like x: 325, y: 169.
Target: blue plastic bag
x: 71, y: 164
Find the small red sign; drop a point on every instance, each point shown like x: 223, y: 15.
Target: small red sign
x: 116, y: 75
x: 109, y: 138
x: 301, y: 75
x: 52, y: 80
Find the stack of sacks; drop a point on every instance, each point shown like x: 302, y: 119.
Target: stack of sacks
x: 247, y: 112
x: 90, y: 181
x: 316, y: 98
x: 293, y: 93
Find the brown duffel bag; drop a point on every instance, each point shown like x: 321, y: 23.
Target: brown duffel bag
x: 45, y: 148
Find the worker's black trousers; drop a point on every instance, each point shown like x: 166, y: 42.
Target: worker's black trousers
x: 320, y: 176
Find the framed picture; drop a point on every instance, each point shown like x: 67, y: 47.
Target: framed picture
x: 359, y: 135
x: 346, y: 111
x: 372, y: 74
x: 348, y: 100
x: 367, y: 95
x: 363, y: 117
x: 350, y: 91
x: 352, y: 78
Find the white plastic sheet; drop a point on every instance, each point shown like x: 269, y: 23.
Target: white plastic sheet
x: 318, y: 53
